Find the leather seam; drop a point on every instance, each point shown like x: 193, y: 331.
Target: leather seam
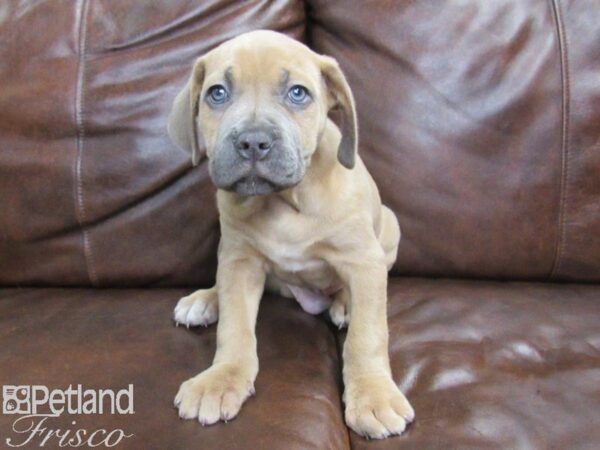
x: 565, y: 82
x: 79, y: 119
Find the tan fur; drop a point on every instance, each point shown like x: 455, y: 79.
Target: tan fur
x: 331, y: 228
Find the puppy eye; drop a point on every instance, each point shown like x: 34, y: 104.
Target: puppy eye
x: 217, y: 94
x: 298, y: 95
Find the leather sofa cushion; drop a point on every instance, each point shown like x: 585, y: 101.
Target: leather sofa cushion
x: 487, y: 365
x: 479, y: 121
x: 111, y: 338
x: 495, y: 365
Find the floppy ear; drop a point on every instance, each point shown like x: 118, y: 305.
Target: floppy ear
x: 182, y: 127
x: 341, y: 98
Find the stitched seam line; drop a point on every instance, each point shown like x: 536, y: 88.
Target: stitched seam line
x: 79, y: 198
x: 564, y: 71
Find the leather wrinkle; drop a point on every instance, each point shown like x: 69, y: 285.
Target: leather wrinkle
x: 176, y: 177
x: 403, y: 63
x: 192, y: 17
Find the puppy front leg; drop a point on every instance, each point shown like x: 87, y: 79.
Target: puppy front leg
x: 375, y: 407
x: 218, y: 392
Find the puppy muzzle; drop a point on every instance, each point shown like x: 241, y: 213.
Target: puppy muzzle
x: 257, y: 160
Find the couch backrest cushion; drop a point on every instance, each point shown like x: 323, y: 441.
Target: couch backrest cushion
x: 480, y: 121
x: 91, y: 189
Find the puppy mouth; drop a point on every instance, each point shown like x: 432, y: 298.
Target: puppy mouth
x: 257, y: 182
x: 281, y: 169
x: 254, y: 184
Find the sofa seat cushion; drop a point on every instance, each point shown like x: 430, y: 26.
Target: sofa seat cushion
x: 493, y: 365
x: 113, y: 338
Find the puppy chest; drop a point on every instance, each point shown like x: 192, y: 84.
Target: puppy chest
x: 291, y: 241
x: 292, y: 258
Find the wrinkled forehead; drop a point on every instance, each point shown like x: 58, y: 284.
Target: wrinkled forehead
x: 263, y: 64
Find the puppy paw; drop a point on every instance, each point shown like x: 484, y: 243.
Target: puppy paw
x: 215, y: 394
x: 339, y: 313
x: 376, y: 409
x: 199, y: 308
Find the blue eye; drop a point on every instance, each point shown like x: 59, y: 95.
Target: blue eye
x: 217, y: 94
x: 298, y: 95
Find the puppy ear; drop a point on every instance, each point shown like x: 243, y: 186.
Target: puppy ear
x: 340, y: 97
x: 182, y: 126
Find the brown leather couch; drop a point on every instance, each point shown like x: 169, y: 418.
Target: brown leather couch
x: 480, y: 122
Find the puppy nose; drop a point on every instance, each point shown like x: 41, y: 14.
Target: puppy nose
x: 254, y: 144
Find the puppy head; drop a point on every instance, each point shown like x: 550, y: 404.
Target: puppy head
x: 258, y: 104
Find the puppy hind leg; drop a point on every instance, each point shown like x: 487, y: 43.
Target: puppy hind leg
x: 339, y: 312
x: 389, y: 235
x: 199, y: 308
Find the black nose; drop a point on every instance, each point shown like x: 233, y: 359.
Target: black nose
x: 254, y: 144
